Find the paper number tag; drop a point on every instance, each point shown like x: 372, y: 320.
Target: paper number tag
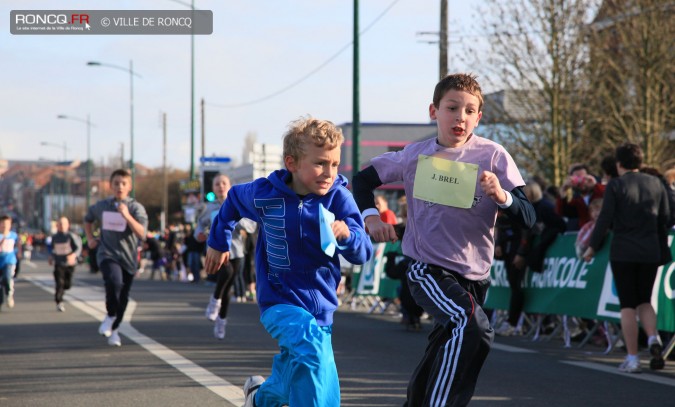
x: 113, y: 221
x: 328, y: 241
x: 445, y: 182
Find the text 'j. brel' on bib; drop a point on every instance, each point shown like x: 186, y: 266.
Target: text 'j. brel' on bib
x: 445, y: 182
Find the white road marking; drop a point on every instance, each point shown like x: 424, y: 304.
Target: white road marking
x: 512, y: 349
x: 595, y: 366
x: 615, y: 370
x: 90, y: 299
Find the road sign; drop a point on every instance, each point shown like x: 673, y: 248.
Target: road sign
x: 215, y: 160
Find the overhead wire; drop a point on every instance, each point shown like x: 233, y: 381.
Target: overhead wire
x: 310, y: 73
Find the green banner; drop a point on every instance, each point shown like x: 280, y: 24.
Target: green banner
x: 570, y: 286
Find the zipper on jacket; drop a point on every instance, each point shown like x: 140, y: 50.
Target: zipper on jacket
x: 312, y: 294
x: 300, y: 219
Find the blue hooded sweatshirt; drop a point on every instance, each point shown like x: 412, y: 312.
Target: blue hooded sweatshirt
x: 291, y: 267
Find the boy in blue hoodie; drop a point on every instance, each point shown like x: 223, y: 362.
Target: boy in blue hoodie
x: 307, y: 216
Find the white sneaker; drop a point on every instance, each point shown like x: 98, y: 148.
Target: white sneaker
x: 213, y: 309
x: 251, y: 387
x: 219, y: 328
x: 60, y: 307
x: 105, y: 328
x: 114, y: 339
x: 505, y: 329
x: 630, y: 366
x: 10, y: 300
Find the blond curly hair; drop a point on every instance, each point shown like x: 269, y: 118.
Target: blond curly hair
x: 321, y: 133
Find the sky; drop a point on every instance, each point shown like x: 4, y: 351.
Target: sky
x: 267, y: 63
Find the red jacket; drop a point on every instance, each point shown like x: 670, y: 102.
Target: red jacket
x: 577, y: 207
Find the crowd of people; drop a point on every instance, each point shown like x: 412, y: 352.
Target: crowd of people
x: 177, y: 254
x: 465, y: 204
x: 637, y: 204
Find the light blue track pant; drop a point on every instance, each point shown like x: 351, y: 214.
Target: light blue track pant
x: 304, y: 373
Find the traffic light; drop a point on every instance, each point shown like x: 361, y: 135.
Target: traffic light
x: 207, y: 185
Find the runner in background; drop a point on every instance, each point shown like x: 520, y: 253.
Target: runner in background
x: 66, y: 247
x: 123, y: 222
x: 10, y: 253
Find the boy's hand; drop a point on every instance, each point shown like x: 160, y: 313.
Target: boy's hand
x: 491, y: 186
x: 340, y: 230
x: 123, y: 210
x: 588, y: 255
x: 214, y: 260
x: 380, y: 231
x: 201, y: 237
x: 92, y: 243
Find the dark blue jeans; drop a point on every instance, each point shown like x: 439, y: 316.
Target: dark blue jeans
x: 117, y: 286
x: 194, y: 265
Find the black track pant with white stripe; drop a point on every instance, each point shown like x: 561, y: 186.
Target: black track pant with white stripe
x: 459, y: 342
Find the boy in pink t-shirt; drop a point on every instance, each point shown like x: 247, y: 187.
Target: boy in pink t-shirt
x: 464, y: 179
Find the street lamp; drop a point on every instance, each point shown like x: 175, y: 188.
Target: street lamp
x: 192, y: 90
x: 89, y: 125
x: 131, y: 93
x: 64, y: 147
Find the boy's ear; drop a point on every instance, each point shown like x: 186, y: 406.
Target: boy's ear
x: 432, y: 111
x: 290, y: 163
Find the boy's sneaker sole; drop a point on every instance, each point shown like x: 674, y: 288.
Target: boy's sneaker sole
x: 657, y: 362
x: 251, y: 387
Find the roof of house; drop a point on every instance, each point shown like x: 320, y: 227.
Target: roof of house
x: 508, y: 106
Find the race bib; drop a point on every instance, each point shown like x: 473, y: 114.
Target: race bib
x: 113, y: 221
x: 7, y: 245
x: 445, y: 182
x: 62, y: 249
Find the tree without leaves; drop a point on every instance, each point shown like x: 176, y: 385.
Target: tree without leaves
x: 538, y: 57
x: 632, y: 77
x: 149, y: 193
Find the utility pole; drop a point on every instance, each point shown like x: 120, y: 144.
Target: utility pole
x: 203, y: 130
x: 442, y: 34
x: 443, y: 41
x: 192, y: 96
x: 88, y: 181
x: 165, y: 192
x: 122, y: 155
x: 132, y: 165
x: 356, y: 120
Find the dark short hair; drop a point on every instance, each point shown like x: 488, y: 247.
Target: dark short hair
x: 460, y: 81
x: 577, y: 167
x: 608, y: 165
x: 120, y: 172
x: 629, y: 155
x: 5, y: 217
